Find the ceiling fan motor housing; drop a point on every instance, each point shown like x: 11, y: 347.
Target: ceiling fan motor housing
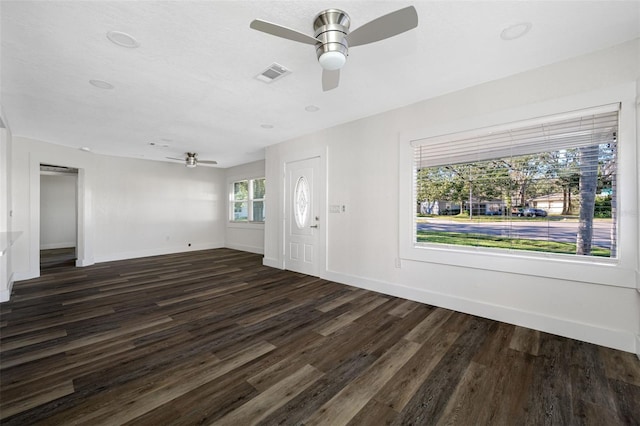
x: 331, y: 27
x: 191, y: 160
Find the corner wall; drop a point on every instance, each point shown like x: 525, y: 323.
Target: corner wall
x: 6, y: 270
x: 363, y: 241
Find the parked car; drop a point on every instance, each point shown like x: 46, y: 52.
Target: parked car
x: 534, y: 212
x: 517, y: 212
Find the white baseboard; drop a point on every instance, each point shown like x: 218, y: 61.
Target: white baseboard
x: 616, y: 339
x: 29, y: 275
x: 80, y: 263
x: 5, y: 294
x: 250, y: 249
x: 156, y: 252
x: 57, y: 245
x: 271, y: 262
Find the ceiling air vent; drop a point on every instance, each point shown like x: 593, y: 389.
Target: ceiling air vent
x: 273, y: 73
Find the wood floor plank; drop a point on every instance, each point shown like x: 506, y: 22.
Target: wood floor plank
x: 272, y: 398
x: 216, y: 337
x: 398, y: 392
x: 28, y: 339
x: 10, y: 406
x: 525, y: 340
x: 350, y: 316
x: 621, y: 366
x: 340, y: 409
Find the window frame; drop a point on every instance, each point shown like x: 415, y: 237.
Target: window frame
x: 616, y: 272
x: 249, y: 200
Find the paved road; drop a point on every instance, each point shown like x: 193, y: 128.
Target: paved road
x: 561, y: 231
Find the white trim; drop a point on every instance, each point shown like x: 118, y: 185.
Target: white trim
x: 638, y: 346
x: 588, y: 270
x: 243, y: 247
x: 34, y: 219
x: 5, y: 294
x: 22, y: 276
x: 472, y: 133
x: 272, y: 263
x: 84, y: 219
x: 157, y: 252
x: 81, y: 263
x: 51, y: 246
x: 616, y: 339
x: 250, y: 199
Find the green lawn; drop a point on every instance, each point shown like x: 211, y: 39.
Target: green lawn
x: 481, y: 240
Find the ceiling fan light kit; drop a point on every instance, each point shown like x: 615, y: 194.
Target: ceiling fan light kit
x: 332, y: 37
x: 331, y: 28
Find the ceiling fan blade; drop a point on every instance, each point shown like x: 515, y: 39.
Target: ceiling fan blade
x: 330, y: 79
x: 383, y: 27
x: 280, y: 31
x: 207, y: 162
x: 174, y: 158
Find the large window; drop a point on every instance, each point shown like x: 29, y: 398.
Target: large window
x: 546, y: 186
x: 247, y: 200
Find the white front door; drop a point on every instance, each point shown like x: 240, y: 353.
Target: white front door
x: 302, y: 217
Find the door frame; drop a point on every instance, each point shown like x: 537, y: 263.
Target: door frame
x: 84, y: 247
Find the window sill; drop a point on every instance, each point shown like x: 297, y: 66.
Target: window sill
x: 245, y: 224
x: 589, y: 270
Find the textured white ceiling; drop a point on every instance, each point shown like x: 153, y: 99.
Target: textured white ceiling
x: 191, y: 85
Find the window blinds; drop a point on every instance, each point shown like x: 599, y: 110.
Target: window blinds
x: 576, y: 129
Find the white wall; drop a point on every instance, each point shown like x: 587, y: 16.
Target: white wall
x: 58, y: 210
x: 128, y: 208
x: 362, y: 244
x: 6, y: 236
x: 244, y: 236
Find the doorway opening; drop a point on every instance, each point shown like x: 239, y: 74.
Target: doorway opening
x: 58, y: 216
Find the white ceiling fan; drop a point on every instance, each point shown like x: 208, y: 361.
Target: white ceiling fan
x: 191, y: 160
x: 332, y: 38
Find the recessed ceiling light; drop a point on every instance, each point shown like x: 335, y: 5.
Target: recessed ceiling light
x: 267, y: 126
x: 311, y: 108
x: 101, y: 84
x: 122, y: 39
x: 515, y: 31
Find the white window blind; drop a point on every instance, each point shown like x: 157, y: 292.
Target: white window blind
x: 552, y: 133
x: 556, y: 172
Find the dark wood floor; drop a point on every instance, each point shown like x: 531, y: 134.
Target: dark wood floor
x: 214, y: 337
x: 57, y: 258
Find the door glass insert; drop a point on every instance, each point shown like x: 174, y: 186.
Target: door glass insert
x: 301, y: 202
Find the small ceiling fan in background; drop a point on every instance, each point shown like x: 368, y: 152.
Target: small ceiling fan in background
x: 333, y: 39
x: 191, y: 160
